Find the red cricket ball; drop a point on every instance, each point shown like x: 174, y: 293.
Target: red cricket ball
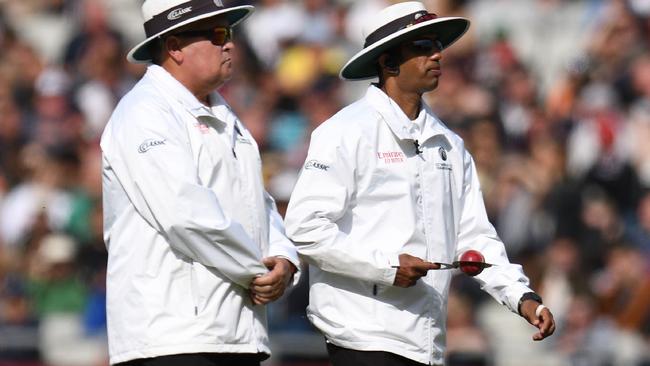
x: 468, y: 262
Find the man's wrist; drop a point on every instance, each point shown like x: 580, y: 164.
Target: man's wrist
x: 292, y: 267
x: 528, y: 296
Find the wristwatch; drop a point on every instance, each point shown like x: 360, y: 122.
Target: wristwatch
x: 528, y: 296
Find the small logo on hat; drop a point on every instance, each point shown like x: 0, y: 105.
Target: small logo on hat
x: 176, y: 13
x: 443, y: 154
x: 218, y: 3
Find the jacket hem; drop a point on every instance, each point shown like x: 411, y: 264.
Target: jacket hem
x: 385, y: 347
x: 166, y: 350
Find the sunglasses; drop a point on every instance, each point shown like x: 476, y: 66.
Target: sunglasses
x: 219, y: 36
x: 425, y: 46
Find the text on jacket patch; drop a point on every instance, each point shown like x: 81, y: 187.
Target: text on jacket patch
x: 314, y: 164
x: 203, y: 128
x: 391, y: 157
x: 148, y: 144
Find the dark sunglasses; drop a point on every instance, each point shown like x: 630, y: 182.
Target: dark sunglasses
x: 424, y: 46
x: 218, y: 35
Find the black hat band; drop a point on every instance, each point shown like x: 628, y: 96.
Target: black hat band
x: 397, y: 25
x: 178, y: 14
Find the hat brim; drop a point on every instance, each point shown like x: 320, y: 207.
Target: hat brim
x: 140, y: 53
x: 363, y: 65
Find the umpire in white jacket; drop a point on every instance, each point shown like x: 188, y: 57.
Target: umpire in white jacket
x: 388, y: 192
x: 195, y: 244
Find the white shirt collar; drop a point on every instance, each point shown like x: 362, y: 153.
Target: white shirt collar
x: 218, y: 109
x: 426, y: 124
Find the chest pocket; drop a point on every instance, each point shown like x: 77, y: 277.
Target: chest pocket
x: 217, y: 166
x: 441, y: 193
x: 392, y: 171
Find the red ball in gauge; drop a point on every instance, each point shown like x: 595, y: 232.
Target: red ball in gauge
x: 471, y: 262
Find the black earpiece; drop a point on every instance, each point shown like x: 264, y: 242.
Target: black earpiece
x: 391, y: 63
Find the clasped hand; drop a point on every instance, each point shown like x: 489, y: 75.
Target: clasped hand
x: 270, y: 286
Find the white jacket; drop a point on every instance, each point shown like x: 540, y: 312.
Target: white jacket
x: 363, y: 197
x: 186, y: 224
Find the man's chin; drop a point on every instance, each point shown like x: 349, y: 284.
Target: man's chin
x: 430, y: 87
x: 224, y: 77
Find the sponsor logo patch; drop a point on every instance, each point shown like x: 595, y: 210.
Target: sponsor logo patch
x: 243, y: 140
x: 177, y: 13
x: 443, y: 166
x: 146, y: 145
x: 203, y: 128
x: 391, y: 157
x: 218, y: 3
x: 443, y: 154
x: 315, y: 164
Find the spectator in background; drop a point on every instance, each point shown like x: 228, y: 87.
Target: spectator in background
x: 60, y: 298
x: 95, y: 53
x: 622, y: 291
x: 56, y: 119
x: 277, y: 23
x: 19, y: 341
x: 388, y: 192
x: 42, y: 200
x: 195, y: 244
x: 638, y: 233
x: 13, y: 137
x: 584, y: 338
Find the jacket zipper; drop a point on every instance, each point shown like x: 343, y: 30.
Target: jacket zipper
x: 420, y: 182
x: 193, y: 289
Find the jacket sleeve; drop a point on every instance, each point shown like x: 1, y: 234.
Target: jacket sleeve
x: 322, y: 197
x: 505, y: 281
x: 279, y: 244
x: 151, y: 156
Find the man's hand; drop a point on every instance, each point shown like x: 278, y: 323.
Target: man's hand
x: 544, y: 322
x: 271, y: 285
x: 411, y: 269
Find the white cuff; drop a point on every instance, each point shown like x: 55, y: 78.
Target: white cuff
x: 393, y: 260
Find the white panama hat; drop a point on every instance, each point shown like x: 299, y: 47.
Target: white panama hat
x: 163, y: 16
x: 395, y: 24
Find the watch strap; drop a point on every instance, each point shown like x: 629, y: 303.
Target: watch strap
x: 528, y: 296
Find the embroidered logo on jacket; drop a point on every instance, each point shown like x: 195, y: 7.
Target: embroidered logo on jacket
x: 443, y: 153
x: 315, y: 164
x: 146, y: 145
x: 244, y: 140
x: 202, y: 127
x: 391, y: 157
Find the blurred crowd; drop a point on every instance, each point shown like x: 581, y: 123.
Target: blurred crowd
x: 552, y: 98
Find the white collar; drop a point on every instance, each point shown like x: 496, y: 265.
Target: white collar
x: 397, y: 120
x: 219, y: 109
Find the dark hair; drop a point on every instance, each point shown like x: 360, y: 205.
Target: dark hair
x: 156, y: 47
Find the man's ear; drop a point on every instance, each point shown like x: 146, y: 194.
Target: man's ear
x: 389, y: 62
x: 173, y: 48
